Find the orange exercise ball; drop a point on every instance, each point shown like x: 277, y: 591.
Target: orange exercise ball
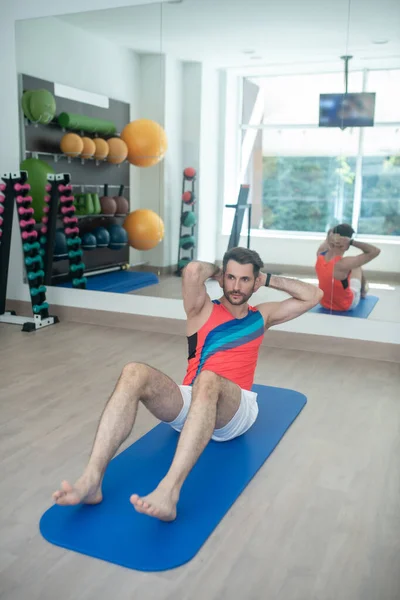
x: 118, y: 151
x: 145, y: 229
x: 71, y: 144
x: 102, y: 149
x: 147, y: 142
x: 89, y: 147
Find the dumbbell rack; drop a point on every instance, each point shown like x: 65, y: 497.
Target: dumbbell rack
x: 15, y: 187
x: 60, y: 197
x: 182, y: 259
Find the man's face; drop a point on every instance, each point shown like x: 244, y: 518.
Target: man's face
x: 239, y: 283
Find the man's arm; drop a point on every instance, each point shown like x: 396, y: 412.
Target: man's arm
x: 324, y: 247
x: 344, y: 266
x: 194, y: 292
x: 304, y: 297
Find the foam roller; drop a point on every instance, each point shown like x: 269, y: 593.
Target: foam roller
x: 88, y: 124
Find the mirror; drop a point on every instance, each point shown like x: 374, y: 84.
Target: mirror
x: 253, y: 112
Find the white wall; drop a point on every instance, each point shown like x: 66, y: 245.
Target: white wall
x: 210, y: 165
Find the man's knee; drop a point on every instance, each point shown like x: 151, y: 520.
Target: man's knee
x: 207, y: 383
x: 136, y: 371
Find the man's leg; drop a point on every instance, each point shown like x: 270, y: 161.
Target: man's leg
x: 137, y: 382
x: 215, y: 401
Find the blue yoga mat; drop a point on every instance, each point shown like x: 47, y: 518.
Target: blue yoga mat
x: 113, y: 531
x: 362, y: 311
x: 119, y: 282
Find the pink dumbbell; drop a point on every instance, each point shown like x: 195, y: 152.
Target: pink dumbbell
x: 43, y: 229
x: 23, y: 199
x: 45, y: 220
x: 28, y: 234
x: 25, y: 211
x: 27, y: 223
x: 1, y: 233
x: 1, y: 209
x: 2, y: 187
x: 2, y: 198
x: 46, y: 209
x: 48, y: 187
x: 67, y: 209
x: 47, y: 198
x: 1, y: 221
x: 70, y: 230
x: 64, y: 188
x: 66, y: 199
x: 18, y: 187
x: 70, y: 220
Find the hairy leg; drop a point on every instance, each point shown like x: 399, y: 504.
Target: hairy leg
x: 215, y: 401
x: 138, y: 382
x: 358, y: 273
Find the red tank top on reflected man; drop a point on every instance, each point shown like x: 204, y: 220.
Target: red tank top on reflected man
x: 337, y: 294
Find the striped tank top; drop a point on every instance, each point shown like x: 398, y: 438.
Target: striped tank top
x: 227, y: 346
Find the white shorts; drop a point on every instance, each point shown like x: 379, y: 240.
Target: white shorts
x: 355, y: 286
x: 239, y: 424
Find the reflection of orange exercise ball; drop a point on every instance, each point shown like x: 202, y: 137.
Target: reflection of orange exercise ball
x: 89, y: 147
x: 118, y: 151
x: 147, y: 142
x: 102, y: 149
x: 145, y: 229
x: 71, y: 144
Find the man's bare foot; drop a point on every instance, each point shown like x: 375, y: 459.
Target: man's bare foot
x: 87, y: 490
x: 364, y: 289
x: 160, y: 504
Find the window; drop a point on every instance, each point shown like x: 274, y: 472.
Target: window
x: 305, y: 178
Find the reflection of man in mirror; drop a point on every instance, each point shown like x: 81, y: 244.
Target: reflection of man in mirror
x: 341, y: 278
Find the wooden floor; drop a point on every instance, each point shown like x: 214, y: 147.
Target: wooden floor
x: 320, y: 521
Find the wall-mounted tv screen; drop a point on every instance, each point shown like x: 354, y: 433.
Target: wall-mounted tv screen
x: 347, y: 110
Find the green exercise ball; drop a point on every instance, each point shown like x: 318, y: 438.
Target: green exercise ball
x: 37, y: 178
x: 188, y: 219
x: 187, y: 242
x: 42, y: 106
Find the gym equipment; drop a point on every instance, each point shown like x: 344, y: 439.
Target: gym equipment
x: 60, y: 246
x: 89, y: 148
x: 71, y: 144
x: 37, y: 170
x: 188, y: 197
x: 106, y: 531
x: 183, y: 262
x: 39, y: 106
x: 87, y: 124
x: 189, y: 173
x: 102, y: 149
x: 119, y: 282
x: 15, y: 186
x: 145, y: 229
x: 240, y: 209
x: 102, y: 237
x: 107, y: 203
x: 96, y: 204
x: 362, y: 311
x: 89, y: 241
x: 122, y: 203
x: 188, y: 220
x: 117, y: 151
x: 118, y: 237
x: 147, y: 142
x: 187, y: 242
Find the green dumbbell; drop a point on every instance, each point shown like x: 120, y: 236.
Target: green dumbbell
x: 31, y: 261
x: 43, y: 240
x: 76, y: 281
x: 78, y: 267
x: 75, y: 253
x: 35, y: 274
x: 37, y: 308
x: 28, y: 247
x: 74, y: 241
x: 39, y: 290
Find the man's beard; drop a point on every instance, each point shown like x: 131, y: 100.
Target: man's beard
x: 237, y: 301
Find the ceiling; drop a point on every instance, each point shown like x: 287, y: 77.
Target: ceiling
x: 254, y: 34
